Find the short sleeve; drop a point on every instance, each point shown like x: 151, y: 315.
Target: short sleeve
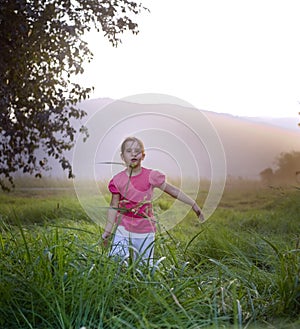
x: 112, y: 187
x: 156, y: 178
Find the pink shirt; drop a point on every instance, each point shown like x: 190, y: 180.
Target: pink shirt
x: 136, y: 213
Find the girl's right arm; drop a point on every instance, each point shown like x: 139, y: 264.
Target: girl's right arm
x: 111, y: 216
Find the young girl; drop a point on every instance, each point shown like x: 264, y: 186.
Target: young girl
x: 131, y: 208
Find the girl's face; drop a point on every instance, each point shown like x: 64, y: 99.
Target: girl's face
x: 133, y: 154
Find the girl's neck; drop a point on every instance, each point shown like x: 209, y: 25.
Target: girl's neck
x: 134, y: 171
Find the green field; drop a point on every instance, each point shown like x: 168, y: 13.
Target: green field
x: 240, y: 269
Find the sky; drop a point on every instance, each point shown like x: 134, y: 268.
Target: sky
x: 240, y: 57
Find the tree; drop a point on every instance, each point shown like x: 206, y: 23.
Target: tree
x: 287, y: 169
x: 41, y: 50
x: 288, y: 165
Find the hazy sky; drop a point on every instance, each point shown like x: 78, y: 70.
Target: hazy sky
x: 230, y: 56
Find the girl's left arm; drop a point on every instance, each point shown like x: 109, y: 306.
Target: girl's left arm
x: 181, y: 196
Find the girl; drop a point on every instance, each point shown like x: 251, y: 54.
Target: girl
x: 131, y: 208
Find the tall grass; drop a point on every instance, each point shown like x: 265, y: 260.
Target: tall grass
x: 238, y: 270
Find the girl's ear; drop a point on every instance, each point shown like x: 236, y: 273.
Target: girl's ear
x: 143, y: 155
x: 122, y: 156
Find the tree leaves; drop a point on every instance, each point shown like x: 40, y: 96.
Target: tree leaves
x: 41, y: 51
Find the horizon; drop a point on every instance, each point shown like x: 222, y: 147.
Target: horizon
x: 284, y: 116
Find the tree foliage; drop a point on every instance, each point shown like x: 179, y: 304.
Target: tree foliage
x: 41, y: 50
x: 287, y: 169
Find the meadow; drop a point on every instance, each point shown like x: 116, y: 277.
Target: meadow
x: 238, y: 270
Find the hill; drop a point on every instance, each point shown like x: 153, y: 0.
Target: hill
x: 174, y: 134
x: 252, y: 145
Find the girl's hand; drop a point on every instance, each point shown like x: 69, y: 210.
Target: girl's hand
x: 198, y: 212
x: 105, y: 238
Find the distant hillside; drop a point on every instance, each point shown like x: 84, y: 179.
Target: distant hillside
x: 250, y: 144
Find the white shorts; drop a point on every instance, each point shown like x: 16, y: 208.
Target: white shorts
x: 140, y: 246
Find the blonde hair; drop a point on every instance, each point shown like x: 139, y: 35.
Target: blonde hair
x: 132, y: 139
